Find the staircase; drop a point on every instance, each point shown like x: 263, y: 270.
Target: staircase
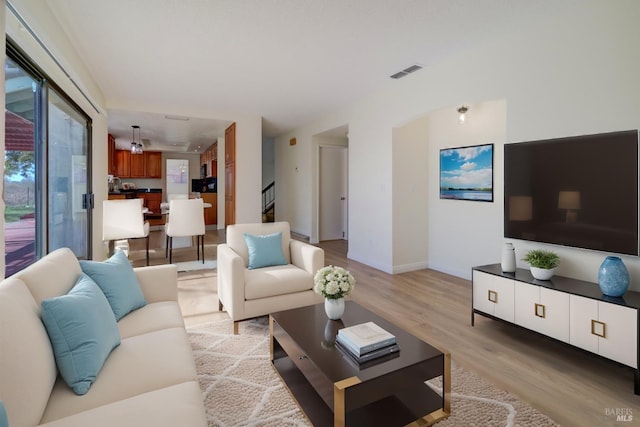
x: 269, y: 203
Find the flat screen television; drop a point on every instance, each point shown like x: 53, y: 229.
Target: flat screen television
x: 578, y: 191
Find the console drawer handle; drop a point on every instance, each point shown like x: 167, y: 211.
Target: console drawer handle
x: 540, y: 311
x: 598, y: 329
x: 493, y: 296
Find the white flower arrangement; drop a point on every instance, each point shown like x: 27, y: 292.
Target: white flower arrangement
x: 333, y: 282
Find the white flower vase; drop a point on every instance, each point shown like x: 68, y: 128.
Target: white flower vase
x: 334, y: 308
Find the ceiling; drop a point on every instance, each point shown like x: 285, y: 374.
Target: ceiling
x: 289, y: 61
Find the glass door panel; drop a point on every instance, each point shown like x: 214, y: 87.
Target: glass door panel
x: 68, y: 177
x: 20, y: 207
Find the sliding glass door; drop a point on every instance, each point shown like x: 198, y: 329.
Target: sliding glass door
x: 47, y: 185
x: 67, y: 176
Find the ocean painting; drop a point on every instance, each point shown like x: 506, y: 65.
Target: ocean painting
x: 466, y: 173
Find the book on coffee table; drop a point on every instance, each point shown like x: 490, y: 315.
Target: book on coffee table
x: 372, y: 355
x: 364, y: 338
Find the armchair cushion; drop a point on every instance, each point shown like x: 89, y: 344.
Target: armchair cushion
x: 118, y: 281
x: 276, y: 280
x: 265, y: 250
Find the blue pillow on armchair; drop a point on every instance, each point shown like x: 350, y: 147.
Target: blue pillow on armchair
x: 265, y: 250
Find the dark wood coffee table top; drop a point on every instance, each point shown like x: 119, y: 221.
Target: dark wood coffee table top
x: 332, y: 389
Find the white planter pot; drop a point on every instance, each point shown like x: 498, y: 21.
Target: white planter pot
x: 542, y: 273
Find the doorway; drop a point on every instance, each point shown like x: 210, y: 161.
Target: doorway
x: 333, y: 212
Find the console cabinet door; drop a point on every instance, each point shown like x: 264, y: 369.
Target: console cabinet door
x: 621, y: 334
x: 526, y: 297
x: 581, y: 311
x: 481, y: 287
x: 554, y: 306
x: 493, y: 295
x: 542, y: 310
x: 606, y: 329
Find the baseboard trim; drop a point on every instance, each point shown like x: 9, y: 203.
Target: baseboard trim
x: 405, y: 268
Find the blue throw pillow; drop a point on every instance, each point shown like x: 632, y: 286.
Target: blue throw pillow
x: 118, y: 281
x: 4, y: 421
x: 265, y: 251
x: 83, y: 331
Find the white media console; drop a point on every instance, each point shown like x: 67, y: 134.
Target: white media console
x: 568, y: 310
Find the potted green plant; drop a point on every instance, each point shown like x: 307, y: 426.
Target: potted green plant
x: 543, y: 263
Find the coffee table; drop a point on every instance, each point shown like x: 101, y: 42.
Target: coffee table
x: 332, y: 389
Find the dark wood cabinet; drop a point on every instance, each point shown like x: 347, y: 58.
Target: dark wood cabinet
x: 153, y: 163
x: 137, y: 166
x: 210, y: 214
x: 230, y: 175
x: 111, y: 156
x: 146, y: 165
x: 123, y: 163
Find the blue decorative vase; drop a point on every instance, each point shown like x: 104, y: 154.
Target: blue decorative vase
x: 613, y: 277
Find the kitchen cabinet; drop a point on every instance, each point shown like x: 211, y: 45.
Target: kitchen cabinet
x: 123, y: 163
x: 230, y: 175
x: 153, y: 162
x: 111, y: 156
x: 137, y: 166
x: 146, y: 165
x: 210, y: 214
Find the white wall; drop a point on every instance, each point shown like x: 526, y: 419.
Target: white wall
x: 577, y: 76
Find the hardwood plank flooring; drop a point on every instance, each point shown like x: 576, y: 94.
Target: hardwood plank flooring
x: 572, y: 386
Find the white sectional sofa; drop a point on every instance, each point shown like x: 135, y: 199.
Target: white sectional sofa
x: 149, y: 379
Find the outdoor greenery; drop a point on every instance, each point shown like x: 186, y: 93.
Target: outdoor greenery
x: 541, y: 258
x: 12, y: 214
x: 19, y: 163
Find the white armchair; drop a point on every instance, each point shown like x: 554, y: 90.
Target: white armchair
x: 246, y: 293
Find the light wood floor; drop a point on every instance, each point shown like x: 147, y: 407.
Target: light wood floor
x: 573, y: 387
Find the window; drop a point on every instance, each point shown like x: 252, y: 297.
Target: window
x: 47, y: 186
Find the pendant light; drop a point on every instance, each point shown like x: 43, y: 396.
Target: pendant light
x: 136, y: 147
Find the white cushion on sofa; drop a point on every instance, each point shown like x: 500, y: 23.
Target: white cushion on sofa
x: 276, y: 280
x: 28, y: 368
x: 140, y: 364
x: 150, y: 318
x: 177, y: 405
x: 52, y: 276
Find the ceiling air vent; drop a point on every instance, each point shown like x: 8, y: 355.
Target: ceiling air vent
x: 406, y: 71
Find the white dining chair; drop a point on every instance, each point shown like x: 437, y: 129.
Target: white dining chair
x: 186, y: 219
x: 123, y: 220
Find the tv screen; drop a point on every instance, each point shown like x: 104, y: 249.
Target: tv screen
x: 579, y: 191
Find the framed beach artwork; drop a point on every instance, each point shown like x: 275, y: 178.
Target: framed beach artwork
x: 466, y: 173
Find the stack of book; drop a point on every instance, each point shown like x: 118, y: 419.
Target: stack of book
x: 366, y: 341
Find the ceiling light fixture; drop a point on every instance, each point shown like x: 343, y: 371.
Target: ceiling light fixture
x: 170, y: 117
x: 136, y: 147
x: 462, y: 111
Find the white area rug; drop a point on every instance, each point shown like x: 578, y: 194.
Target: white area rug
x: 196, y: 265
x: 241, y: 388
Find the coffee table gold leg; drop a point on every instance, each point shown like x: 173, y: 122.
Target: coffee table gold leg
x: 440, y: 414
x: 339, y: 407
